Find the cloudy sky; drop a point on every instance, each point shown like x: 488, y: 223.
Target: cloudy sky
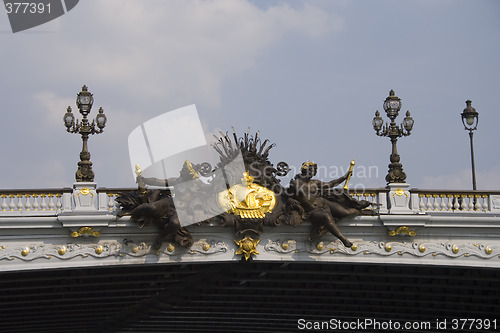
x: 308, y: 74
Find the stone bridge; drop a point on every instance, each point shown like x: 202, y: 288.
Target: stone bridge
x: 67, y: 263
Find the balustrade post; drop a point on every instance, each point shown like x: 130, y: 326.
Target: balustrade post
x: 399, y: 198
x: 84, y: 196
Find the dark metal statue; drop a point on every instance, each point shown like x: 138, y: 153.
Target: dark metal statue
x: 250, y: 199
x: 156, y: 207
x: 321, y: 203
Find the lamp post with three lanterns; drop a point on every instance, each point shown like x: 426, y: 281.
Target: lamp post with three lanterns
x: 84, y: 101
x: 392, y: 105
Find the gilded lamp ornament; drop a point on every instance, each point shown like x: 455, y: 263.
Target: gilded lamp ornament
x: 392, y: 105
x: 84, y: 101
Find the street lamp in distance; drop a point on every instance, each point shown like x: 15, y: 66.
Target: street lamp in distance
x: 470, y: 118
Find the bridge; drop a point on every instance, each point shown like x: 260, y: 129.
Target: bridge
x: 421, y: 259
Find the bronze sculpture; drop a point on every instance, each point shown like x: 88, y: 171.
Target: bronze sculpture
x: 156, y: 206
x: 321, y: 204
x: 259, y: 200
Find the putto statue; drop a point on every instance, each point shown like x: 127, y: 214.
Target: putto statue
x: 246, y: 200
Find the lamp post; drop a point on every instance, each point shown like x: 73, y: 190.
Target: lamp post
x: 470, y: 118
x: 392, y: 105
x: 84, y: 101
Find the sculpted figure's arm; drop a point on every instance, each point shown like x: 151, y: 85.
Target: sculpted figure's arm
x: 338, y: 181
x: 157, y: 182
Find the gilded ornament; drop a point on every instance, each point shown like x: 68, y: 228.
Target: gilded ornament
x: 399, y: 192
x: 247, y: 200
x: 284, y: 245
x: 320, y: 246
x: 488, y: 250
x: 307, y: 164
x: 85, y: 231
x: 388, y: 247
x: 455, y: 248
x: 247, y: 246
x: 206, y: 246
x: 351, y: 167
x: 138, y: 171
x: 192, y: 171
x: 170, y: 248
x: 99, y: 249
x: 25, y: 251
x: 421, y: 248
x: 62, y: 250
x: 354, y: 247
x: 402, y: 230
x: 84, y: 191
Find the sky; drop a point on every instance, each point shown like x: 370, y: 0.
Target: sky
x: 309, y: 75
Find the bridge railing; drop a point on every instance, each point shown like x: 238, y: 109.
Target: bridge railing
x: 46, y: 202
x: 31, y: 202
x: 455, y: 201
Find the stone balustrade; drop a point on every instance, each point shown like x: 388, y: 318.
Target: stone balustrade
x: 55, y: 201
x: 455, y: 201
x: 32, y: 202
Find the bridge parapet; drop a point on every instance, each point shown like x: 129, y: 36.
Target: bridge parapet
x: 73, y: 227
x: 29, y: 202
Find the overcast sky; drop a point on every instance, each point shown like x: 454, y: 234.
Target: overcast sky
x: 308, y: 74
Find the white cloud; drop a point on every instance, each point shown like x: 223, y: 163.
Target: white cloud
x: 53, y: 106
x: 170, y: 49
x: 462, y: 180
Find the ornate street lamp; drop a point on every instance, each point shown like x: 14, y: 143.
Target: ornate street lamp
x: 392, y: 105
x: 84, y: 101
x: 470, y: 118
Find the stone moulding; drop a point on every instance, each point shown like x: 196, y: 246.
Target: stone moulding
x: 106, y: 249
x: 416, y: 249
x: 287, y: 249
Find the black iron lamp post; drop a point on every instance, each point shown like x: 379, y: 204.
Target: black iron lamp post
x: 470, y: 118
x: 84, y: 101
x: 392, y: 105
